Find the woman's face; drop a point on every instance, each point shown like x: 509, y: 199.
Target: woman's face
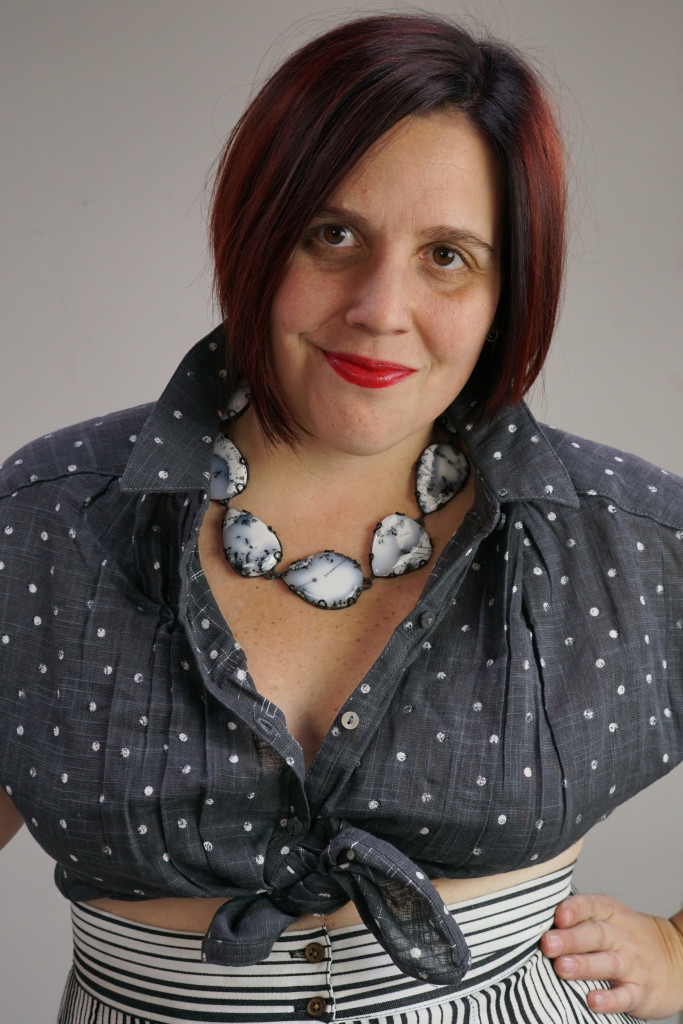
x: 389, y: 296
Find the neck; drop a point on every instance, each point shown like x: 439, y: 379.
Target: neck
x: 314, y: 473
x: 317, y: 491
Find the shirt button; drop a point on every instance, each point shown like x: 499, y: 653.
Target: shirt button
x: 295, y: 826
x: 350, y: 720
x: 427, y: 619
x: 316, y: 1006
x: 314, y: 952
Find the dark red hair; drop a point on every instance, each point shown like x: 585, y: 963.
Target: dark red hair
x: 310, y: 124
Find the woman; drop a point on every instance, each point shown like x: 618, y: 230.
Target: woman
x: 267, y: 769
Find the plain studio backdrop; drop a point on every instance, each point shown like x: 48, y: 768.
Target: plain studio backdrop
x: 112, y: 115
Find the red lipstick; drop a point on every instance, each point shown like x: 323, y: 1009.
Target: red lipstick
x: 366, y: 373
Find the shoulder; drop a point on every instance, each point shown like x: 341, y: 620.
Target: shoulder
x: 608, y: 477
x: 99, y: 447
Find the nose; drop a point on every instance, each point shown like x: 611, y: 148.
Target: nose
x: 380, y: 300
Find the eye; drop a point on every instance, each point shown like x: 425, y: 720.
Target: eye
x: 446, y: 258
x: 336, y: 235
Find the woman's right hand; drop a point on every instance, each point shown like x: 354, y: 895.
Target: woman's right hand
x: 10, y: 819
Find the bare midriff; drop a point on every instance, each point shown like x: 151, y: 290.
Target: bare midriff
x: 194, y: 915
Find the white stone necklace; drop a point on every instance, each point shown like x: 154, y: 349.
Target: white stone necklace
x: 329, y: 580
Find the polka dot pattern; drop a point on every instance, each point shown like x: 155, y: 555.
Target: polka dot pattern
x: 541, y: 669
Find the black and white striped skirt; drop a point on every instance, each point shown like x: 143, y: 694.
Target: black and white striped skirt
x: 125, y: 973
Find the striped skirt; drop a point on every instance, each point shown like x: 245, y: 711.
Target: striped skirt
x: 125, y: 973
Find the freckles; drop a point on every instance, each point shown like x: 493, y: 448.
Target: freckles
x: 291, y: 303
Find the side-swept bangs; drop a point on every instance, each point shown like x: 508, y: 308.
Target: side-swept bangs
x: 310, y: 124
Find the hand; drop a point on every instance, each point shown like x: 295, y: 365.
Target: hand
x: 598, y: 938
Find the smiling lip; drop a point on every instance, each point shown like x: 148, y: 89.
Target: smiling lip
x: 366, y: 373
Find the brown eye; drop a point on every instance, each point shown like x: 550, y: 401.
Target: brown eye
x: 336, y: 234
x: 446, y: 257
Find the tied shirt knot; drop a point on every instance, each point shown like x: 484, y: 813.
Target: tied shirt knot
x: 395, y: 899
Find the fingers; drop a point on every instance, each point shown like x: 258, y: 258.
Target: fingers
x: 596, y: 938
x: 608, y: 965
x: 588, y: 936
x: 603, y: 966
x: 623, y: 998
x: 584, y: 907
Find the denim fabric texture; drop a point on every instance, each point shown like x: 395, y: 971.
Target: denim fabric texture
x: 535, y: 686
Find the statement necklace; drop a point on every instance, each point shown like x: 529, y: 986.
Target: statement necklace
x: 400, y: 544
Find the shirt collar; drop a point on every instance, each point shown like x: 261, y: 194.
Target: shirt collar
x: 173, y: 450
x: 512, y: 456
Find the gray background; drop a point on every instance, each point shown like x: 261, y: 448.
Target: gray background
x: 112, y: 114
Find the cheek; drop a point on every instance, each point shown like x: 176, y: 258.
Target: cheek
x: 284, y: 316
x: 304, y: 299
x: 459, y: 332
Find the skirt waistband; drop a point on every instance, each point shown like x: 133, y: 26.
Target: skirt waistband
x: 157, y: 975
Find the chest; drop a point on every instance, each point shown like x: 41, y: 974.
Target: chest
x: 306, y: 660
x: 485, y: 739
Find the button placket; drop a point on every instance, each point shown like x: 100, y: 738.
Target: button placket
x: 314, y: 952
x: 294, y: 826
x: 316, y: 1007
x: 317, y: 953
x: 350, y: 720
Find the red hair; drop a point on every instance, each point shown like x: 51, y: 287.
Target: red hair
x: 310, y: 124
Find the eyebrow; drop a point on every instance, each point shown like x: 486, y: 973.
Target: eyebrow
x: 435, y: 234
x: 468, y: 238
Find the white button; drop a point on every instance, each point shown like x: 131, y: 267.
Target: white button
x: 350, y: 720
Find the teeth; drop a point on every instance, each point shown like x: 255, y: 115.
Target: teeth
x: 399, y: 545
x: 441, y: 473
x: 229, y: 472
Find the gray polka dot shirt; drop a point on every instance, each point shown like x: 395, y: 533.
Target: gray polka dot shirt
x: 535, y: 686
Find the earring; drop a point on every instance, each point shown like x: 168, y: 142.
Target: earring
x: 492, y: 336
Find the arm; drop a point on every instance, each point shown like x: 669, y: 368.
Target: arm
x: 596, y: 937
x: 10, y: 819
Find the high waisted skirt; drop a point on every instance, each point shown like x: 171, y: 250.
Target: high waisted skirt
x: 125, y: 973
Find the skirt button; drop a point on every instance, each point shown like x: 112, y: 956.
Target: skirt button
x: 316, y: 1007
x: 314, y: 952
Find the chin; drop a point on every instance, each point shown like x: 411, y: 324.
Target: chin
x: 368, y: 440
